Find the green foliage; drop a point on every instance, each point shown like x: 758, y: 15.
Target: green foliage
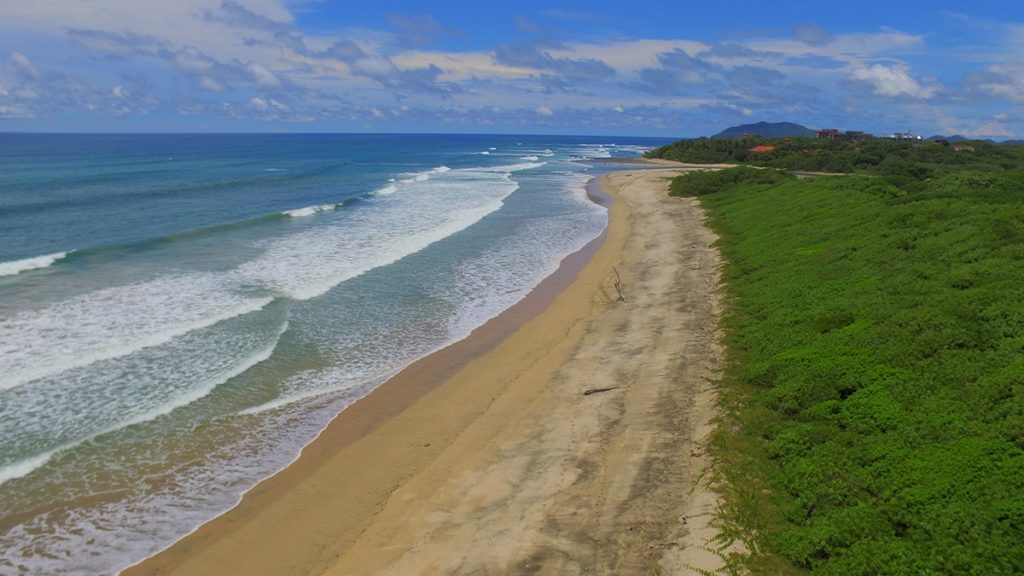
x: 904, y: 162
x: 874, y: 391
x: 706, y: 182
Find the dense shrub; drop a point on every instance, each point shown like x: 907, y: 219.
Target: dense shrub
x: 907, y: 161
x: 705, y: 182
x: 874, y: 393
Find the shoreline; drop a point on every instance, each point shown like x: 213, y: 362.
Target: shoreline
x: 323, y: 506
x: 403, y: 388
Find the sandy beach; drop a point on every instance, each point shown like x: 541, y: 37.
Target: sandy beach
x: 568, y: 441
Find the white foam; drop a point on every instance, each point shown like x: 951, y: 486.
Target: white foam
x: 120, y: 320
x: 108, y: 534
x: 372, y: 366
x: 530, y: 158
x: 25, y: 467
x: 509, y: 168
x: 90, y: 405
x: 18, y: 266
x: 432, y: 206
x: 632, y: 148
x: 114, y: 322
x: 422, y: 176
x: 309, y: 210
x: 386, y: 191
x: 485, y: 153
x: 394, y: 185
x: 595, y: 151
x: 497, y: 279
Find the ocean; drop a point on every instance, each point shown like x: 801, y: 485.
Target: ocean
x: 181, y: 314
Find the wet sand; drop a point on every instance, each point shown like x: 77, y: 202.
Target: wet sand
x: 490, y: 457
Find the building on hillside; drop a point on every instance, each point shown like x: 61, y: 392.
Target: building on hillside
x: 857, y: 136
x: 828, y: 134
x: 762, y: 149
x: 963, y: 148
x: 940, y: 142
x: 904, y: 137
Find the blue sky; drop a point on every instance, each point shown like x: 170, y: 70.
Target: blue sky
x: 681, y: 68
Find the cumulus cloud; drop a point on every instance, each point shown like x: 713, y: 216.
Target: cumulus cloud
x: 676, y: 71
x: 729, y: 50
x: 531, y: 56
x: 384, y: 71
x: 11, y: 112
x: 21, y: 66
x: 892, y: 80
x: 996, y: 127
x: 681, y: 74
x: 1004, y: 81
x: 237, y: 15
x: 116, y: 44
x: 38, y: 91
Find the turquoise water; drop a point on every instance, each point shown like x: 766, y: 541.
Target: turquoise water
x: 179, y: 315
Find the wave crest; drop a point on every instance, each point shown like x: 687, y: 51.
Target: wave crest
x: 18, y: 266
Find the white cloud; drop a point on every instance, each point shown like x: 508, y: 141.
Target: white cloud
x: 23, y: 65
x: 11, y: 112
x: 856, y: 47
x: 990, y: 130
x: 263, y: 77
x: 544, y: 111
x: 966, y: 127
x: 628, y: 56
x: 892, y: 80
x: 26, y: 93
x: 1000, y: 80
x: 210, y: 85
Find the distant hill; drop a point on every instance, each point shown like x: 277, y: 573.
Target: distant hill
x: 767, y: 129
x: 1012, y: 142
x: 953, y: 138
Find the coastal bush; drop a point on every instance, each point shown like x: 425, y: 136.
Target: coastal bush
x: 874, y: 389
x: 707, y: 181
x: 907, y: 161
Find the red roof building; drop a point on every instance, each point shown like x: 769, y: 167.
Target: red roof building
x: 762, y: 149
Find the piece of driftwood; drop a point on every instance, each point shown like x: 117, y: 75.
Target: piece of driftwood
x: 590, y: 391
x: 618, y: 284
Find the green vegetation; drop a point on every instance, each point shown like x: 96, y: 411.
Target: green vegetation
x: 701, y: 183
x: 880, y: 157
x: 874, y: 390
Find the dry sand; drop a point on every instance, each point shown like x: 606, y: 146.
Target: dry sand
x: 507, y: 466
